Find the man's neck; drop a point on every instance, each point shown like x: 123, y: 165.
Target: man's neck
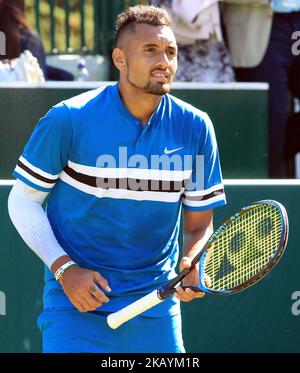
x: 139, y: 104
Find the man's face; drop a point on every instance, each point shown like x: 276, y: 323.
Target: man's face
x: 151, y: 58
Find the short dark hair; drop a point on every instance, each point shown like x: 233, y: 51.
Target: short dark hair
x: 12, y: 23
x: 150, y: 15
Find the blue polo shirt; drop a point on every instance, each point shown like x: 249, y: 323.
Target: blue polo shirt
x: 117, y: 188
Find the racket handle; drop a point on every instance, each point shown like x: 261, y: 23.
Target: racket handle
x: 167, y: 292
x: 116, y: 319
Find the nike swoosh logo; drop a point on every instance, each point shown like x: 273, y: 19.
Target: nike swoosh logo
x: 166, y: 151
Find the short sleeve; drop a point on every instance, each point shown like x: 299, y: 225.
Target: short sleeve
x: 47, y: 151
x: 205, y: 189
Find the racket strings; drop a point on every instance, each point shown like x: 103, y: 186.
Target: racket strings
x: 244, y: 248
x: 250, y: 263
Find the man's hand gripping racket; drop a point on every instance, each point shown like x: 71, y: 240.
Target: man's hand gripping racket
x: 237, y: 255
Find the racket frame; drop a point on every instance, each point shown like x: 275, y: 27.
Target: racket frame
x: 168, y: 290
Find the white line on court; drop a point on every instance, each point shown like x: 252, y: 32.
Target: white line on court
x: 175, y: 85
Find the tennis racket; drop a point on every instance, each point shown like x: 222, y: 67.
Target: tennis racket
x: 237, y: 255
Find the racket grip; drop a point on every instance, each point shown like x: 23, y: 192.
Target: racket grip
x: 167, y: 292
x: 116, y: 319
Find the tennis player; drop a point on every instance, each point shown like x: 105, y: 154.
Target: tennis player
x: 117, y: 164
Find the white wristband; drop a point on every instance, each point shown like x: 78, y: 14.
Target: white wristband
x: 62, y: 269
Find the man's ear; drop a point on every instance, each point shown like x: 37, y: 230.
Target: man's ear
x: 119, y: 59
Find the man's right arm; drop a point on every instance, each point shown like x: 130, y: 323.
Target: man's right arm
x: 29, y: 218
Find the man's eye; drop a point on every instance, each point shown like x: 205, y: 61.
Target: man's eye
x: 172, y: 53
x: 150, y: 50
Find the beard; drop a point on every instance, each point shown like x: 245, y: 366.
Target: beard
x: 153, y: 88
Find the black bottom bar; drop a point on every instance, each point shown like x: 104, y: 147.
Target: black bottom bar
x: 134, y: 362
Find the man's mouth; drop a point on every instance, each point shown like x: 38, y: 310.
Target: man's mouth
x: 161, y: 77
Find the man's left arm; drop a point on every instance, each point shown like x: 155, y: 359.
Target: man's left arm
x: 198, y: 227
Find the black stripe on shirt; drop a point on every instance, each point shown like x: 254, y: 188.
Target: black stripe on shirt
x: 137, y: 185
x: 204, y: 197
x: 36, y: 175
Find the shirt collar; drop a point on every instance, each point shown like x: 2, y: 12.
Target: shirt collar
x: 156, y: 115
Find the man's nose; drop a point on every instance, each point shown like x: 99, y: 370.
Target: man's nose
x: 163, y: 60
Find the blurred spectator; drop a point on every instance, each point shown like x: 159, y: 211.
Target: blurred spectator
x: 20, y: 37
x: 292, y: 147
x: 202, y: 55
x: 259, y: 34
